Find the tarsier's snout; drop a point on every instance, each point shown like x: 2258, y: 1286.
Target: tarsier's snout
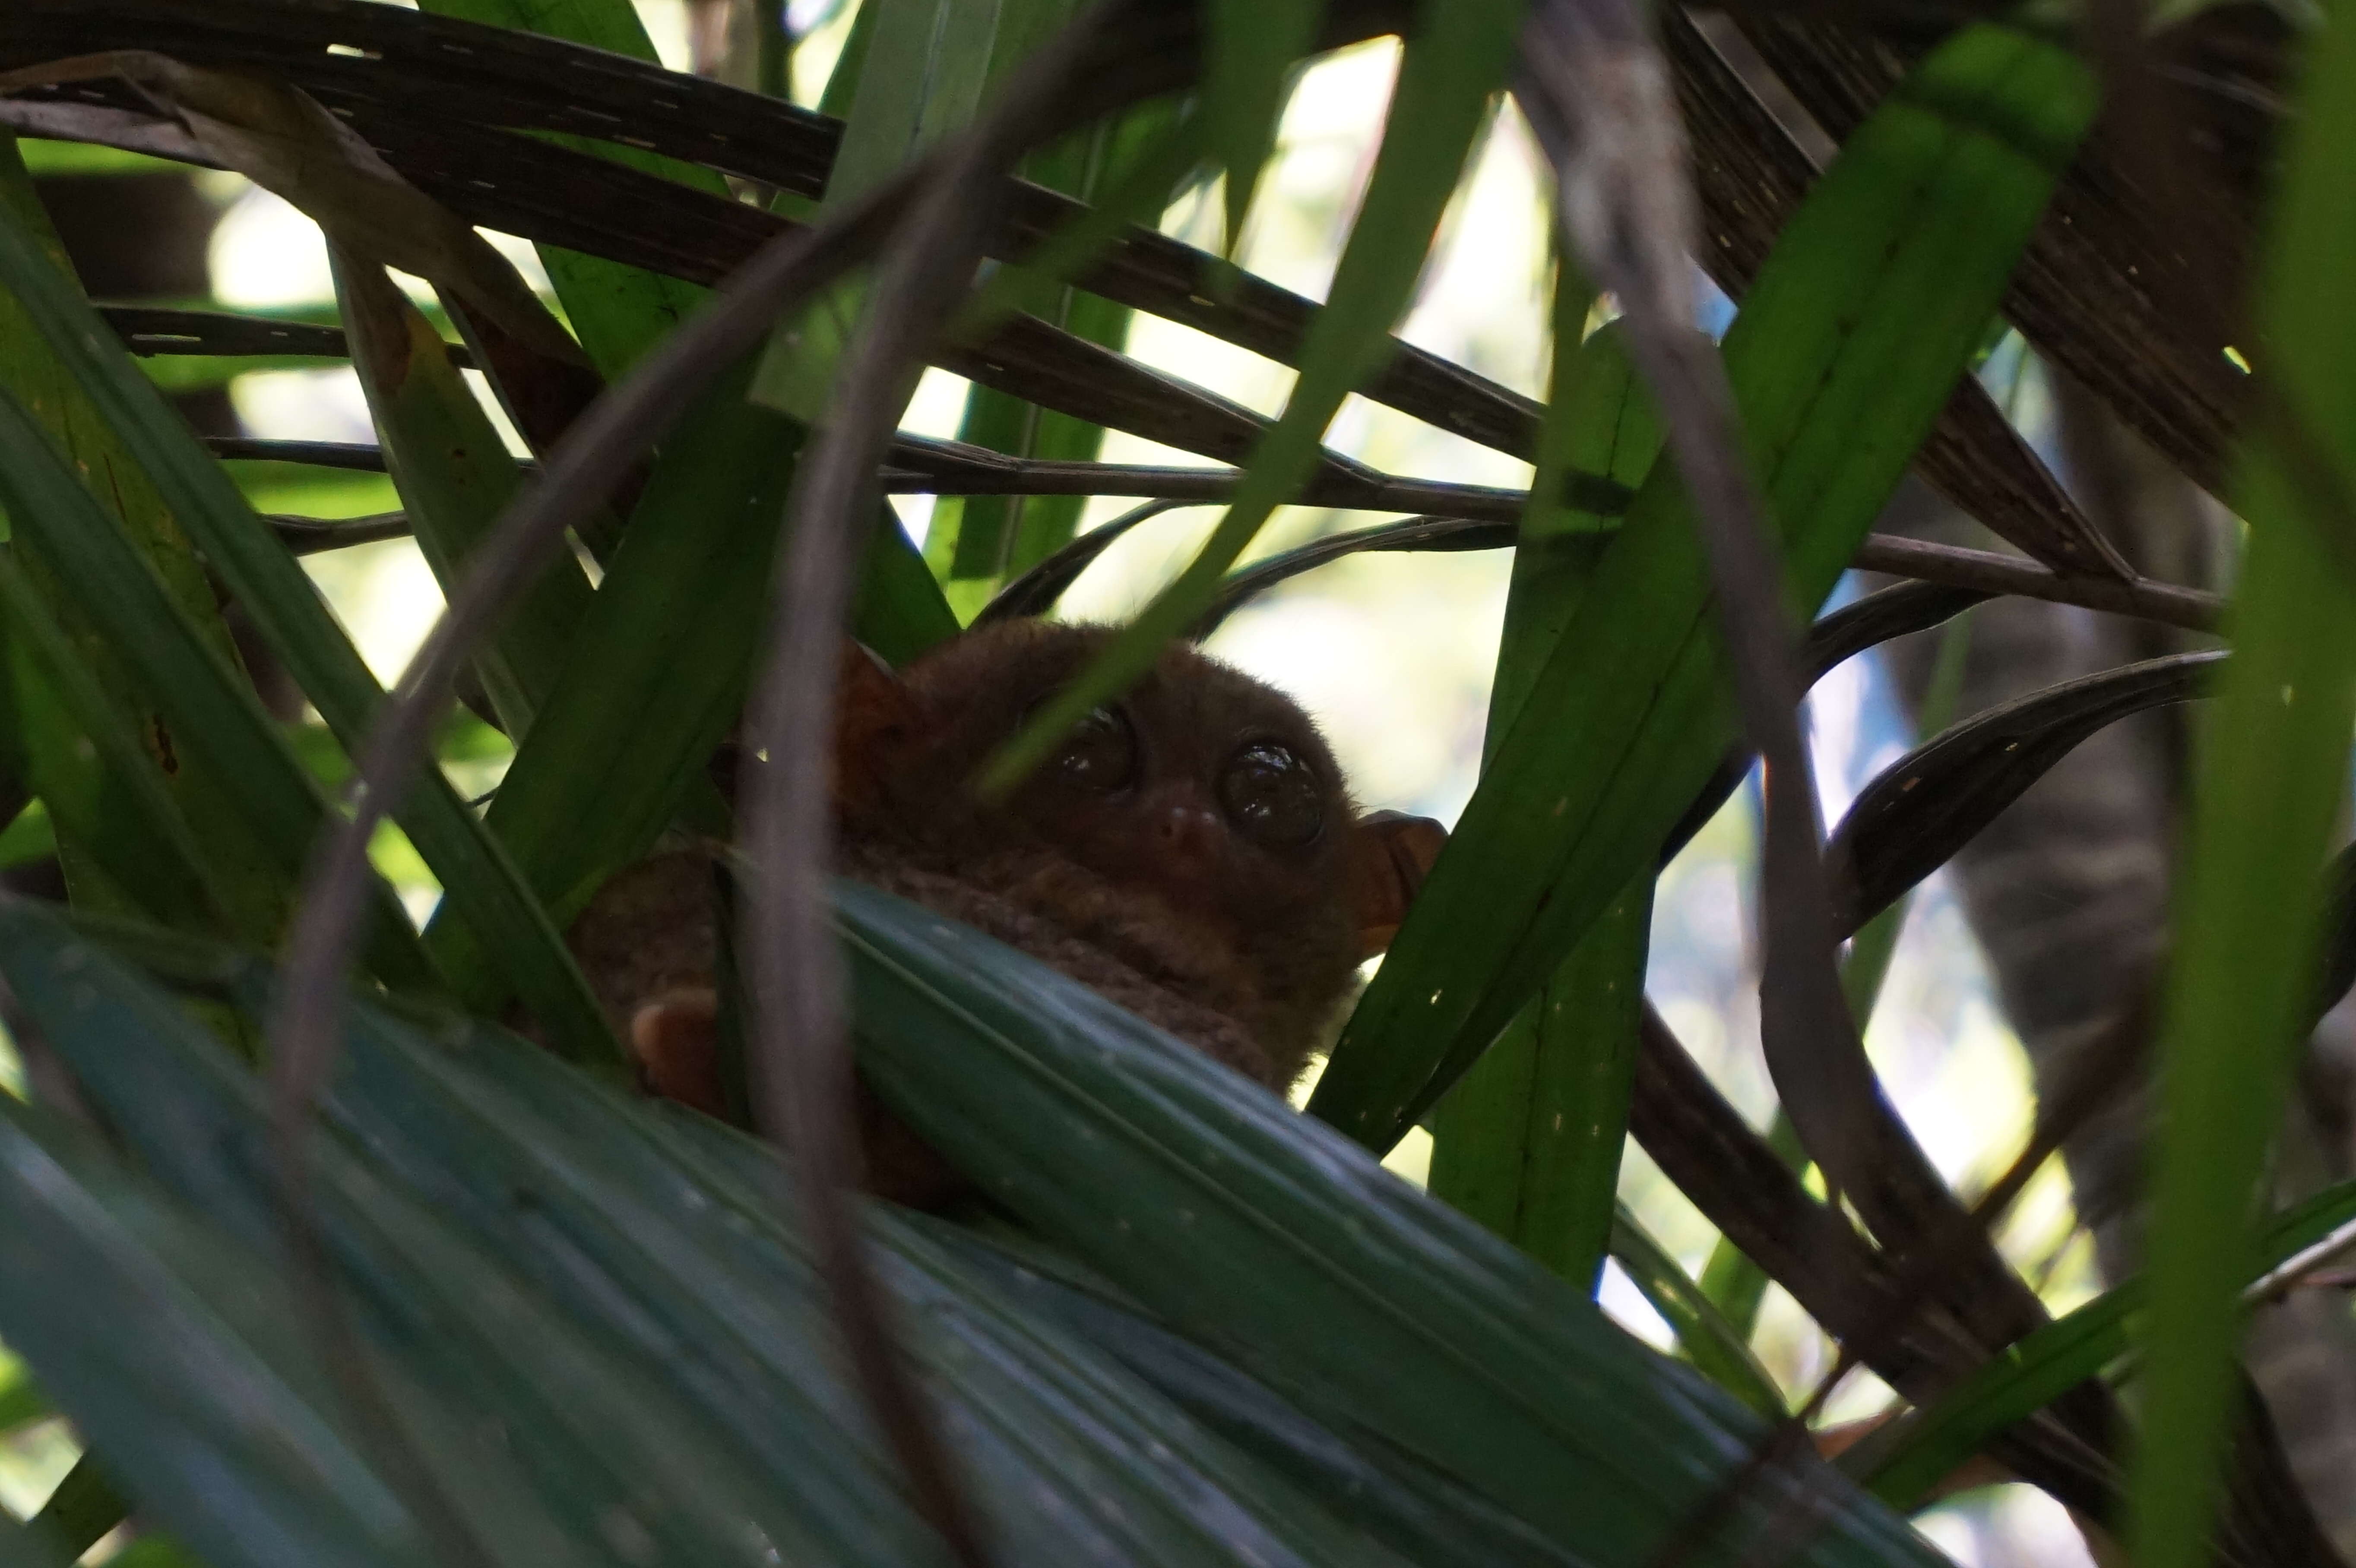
x: 1187, y: 835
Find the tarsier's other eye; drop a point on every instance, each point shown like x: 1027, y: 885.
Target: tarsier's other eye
x: 1271, y: 795
x: 1101, y: 754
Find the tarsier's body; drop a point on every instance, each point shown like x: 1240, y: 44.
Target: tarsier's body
x: 1190, y: 853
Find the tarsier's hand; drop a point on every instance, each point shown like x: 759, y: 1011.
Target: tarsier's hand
x: 1191, y: 853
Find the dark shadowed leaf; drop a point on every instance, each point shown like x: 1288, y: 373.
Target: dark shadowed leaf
x: 1426, y: 1514
x: 1253, y: 47
x: 211, y: 1405
x: 1395, y: 1311
x: 79, y: 1510
x: 637, y: 1258
x: 2339, y: 967
x: 478, y: 882
x: 211, y: 711
x: 1915, y: 814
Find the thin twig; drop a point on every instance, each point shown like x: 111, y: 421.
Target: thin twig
x: 1745, y: 1189
x: 2303, y: 1267
x: 800, y: 1061
x: 2194, y: 609
x: 596, y: 452
x: 803, y: 1075
x: 311, y: 536
x: 2090, y: 1083
x: 1464, y: 508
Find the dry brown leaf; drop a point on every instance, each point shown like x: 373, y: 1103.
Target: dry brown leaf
x: 281, y: 140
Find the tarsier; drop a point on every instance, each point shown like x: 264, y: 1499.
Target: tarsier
x: 1190, y: 852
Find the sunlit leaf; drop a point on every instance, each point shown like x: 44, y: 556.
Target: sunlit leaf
x: 981, y: 540
x: 80, y: 1509
x: 211, y: 711
x: 619, y: 311
x: 77, y: 752
x: 923, y: 70
x: 35, y: 374
x: 1719, y: 1348
x: 1253, y: 46
x: 1842, y: 355
x: 1529, y: 1142
x: 455, y: 477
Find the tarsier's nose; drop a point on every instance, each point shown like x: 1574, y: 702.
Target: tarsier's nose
x: 1187, y: 831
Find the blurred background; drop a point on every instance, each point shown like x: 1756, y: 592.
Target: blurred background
x: 1391, y: 654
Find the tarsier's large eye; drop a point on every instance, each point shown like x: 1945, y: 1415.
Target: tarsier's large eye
x: 1271, y: 795
x: 1099, y: 756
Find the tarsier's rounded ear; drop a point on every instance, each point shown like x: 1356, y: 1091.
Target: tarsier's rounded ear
x: 1390, y: 854
x: 873, y: 708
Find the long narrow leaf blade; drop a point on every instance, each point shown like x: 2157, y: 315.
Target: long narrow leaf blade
x: 1529, y: 1142
x: 476, y: 880
x: 1841, y: 357
x: 1719, y: 1348
x: 219, y: 1430
x: 639, y: 1258
x: 214, y: 714
x: 2272, y: 774
x: 455, y: 477
x: 79, y: 756
x: 252, y: 891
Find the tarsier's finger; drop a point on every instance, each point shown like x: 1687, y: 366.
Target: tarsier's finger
x: 675, y: 1038
x: 1391, y: 855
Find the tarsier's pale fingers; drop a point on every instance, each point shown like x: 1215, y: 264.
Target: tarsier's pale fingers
x: 1191, y: 853
x: 675, y: 1038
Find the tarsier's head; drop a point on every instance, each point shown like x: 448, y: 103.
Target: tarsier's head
x: 1202, y: 786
